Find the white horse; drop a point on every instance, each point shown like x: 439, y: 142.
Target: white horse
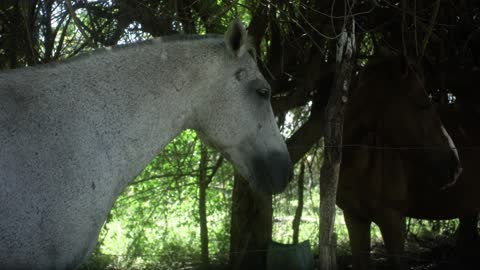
x: 74, y: 135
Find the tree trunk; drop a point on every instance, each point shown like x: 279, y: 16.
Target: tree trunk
x: 202, y: 206
x: 250, y: 228
x: 333, y: 142
x: 298, y: 212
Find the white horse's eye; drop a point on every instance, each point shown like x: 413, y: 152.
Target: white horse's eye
x: 264, y: 92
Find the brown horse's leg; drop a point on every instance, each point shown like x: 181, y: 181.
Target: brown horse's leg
x: 468, y: 230
x: 468, y: 240
x: 359, y: 233
x: 392, y: 226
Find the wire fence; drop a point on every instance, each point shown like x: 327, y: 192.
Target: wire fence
x: 376, y: 252
x: 374, y: 147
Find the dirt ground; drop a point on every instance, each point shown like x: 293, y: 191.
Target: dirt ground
x: 421, y: 254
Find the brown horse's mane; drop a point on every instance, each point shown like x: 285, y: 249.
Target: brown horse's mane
x: 381, y: 81
x: 391, y: 67
x: 376, y: 65
x: 369, y: 94
x: 382, y: 76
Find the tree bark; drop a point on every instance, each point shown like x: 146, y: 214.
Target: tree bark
x: 202, y: 206
x: 250, y: 228
x: 251, y: 217
x: 329, y: 173
x: 298, y: 212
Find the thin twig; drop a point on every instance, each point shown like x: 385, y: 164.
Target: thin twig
x: 215, y: 168
x: 430, y: 27
x: 415, y: 26
x: 79, y: 24
x: 404, y: 11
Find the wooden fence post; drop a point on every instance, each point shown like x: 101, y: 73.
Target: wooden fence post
x: 334, y: 114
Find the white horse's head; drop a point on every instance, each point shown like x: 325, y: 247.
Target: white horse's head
x: 238, y: 119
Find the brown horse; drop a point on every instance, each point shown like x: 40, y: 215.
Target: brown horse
x: 392, y: 132
x: 462, y: 200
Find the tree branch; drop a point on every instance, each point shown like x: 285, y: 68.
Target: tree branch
x: 308, y: 134
x: 81, y: 27
x: 430, y: 27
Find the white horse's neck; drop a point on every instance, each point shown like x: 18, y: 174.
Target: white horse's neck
x: 74, y: 135
x: 149, y: 97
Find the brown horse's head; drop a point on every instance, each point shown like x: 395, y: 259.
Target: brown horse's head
x: 391, y: 103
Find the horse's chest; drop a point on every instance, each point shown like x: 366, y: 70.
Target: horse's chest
x: 371, y: 179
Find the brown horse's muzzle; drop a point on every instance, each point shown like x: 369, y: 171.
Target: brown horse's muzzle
x: 454, y: 172
x: 445, y: 167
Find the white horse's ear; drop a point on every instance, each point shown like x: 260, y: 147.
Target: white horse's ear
x: 236, y: 38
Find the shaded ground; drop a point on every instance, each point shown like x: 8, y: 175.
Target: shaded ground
x: 437, y: 253
x: 421, y: 254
